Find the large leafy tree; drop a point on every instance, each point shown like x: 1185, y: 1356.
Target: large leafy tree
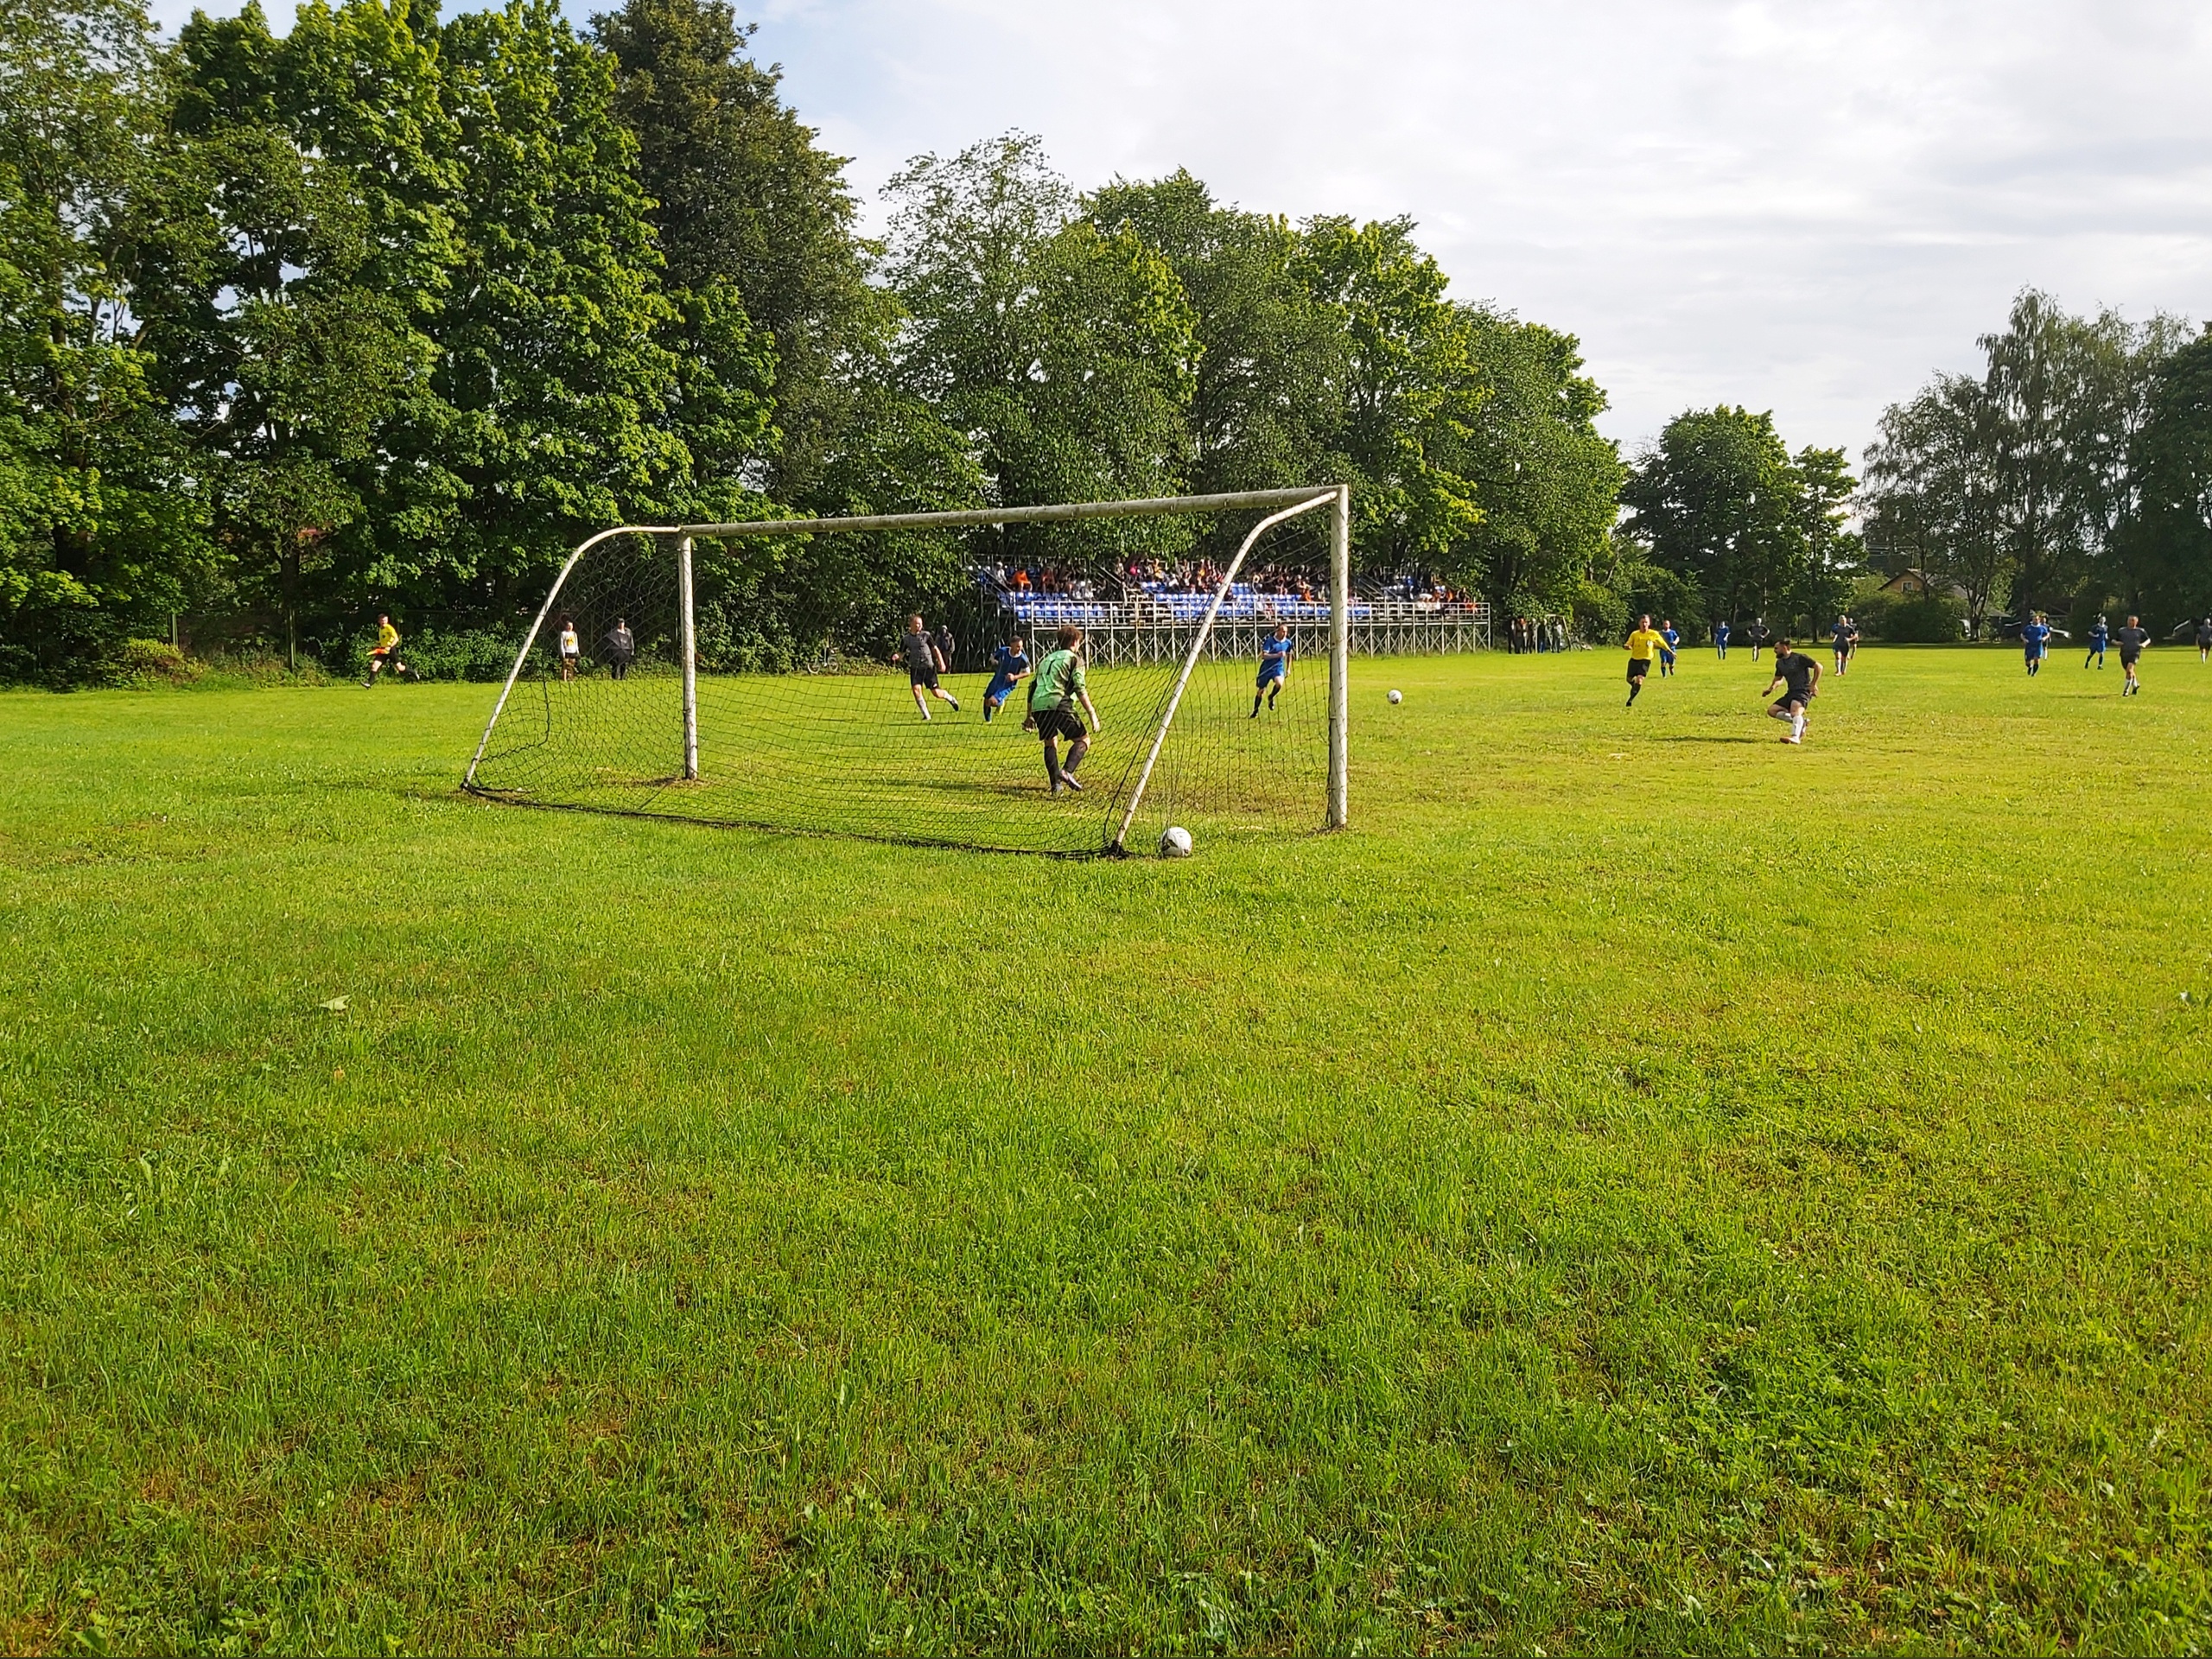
x: 756, y: 224
x: 1063, y: 355
x: 1719, y: 505
x: 1411, y: 392
x: 553, y: 353
x: 2164, y: 548
x: 1548, y: 482
x: 100, y: 527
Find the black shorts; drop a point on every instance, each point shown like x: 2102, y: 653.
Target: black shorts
x: 1636, y: 669
x: 922, y: 677
x: 1062, y: 722
x: 2128, y: 658
x: 1802, y: 699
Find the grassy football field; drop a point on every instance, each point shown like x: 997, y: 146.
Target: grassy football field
x: 1645, y: 1187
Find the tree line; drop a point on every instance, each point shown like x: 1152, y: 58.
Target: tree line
x: 389, y: 311
x: 2072, y: 476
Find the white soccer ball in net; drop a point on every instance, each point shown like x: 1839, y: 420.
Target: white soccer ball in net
x: 1174, y: 841
x: 1397, y: 696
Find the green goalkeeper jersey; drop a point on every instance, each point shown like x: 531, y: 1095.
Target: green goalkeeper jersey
x: 1059, y: 680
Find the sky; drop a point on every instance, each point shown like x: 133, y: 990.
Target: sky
x: 1805, y: 208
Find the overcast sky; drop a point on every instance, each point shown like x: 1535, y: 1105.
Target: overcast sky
x: 1805, y: 208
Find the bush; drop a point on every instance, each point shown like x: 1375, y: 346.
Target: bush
x: 443, y: 654
x: 1923, y: 619
x: 151, y: 662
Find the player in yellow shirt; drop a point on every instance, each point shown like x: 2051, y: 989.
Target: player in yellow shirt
x: 1644, y: 645
x: 384, y: 653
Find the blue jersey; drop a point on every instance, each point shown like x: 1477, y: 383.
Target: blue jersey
x: 1671, y: 637
x: 1008, y: 665
x: 1275, y: 654
x: 2098, y: 635
x: 2033, y: 636
x: 1720, y: 634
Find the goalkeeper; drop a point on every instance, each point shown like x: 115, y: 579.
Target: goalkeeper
x: 384, y: 653
x: 1052, y: 696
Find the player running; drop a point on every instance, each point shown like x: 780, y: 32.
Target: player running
x: 1276, y: 652
x: 2099, y: 636
x: 1757, y: 634
x: 1009, y: 667
x: 924, y: 662
x: 1720, y: 640
x: 385, y: 654
x: 1801, y: 675
x: 2204, y: 638
x: 1845, y: 634
x: 1643, y: 645
x: 1673, y: 636
x: 2131, y: 640
x: 2035, y: 640
x: 1057, y: 686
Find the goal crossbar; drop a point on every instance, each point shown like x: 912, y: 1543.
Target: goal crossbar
x: 1296, y: 500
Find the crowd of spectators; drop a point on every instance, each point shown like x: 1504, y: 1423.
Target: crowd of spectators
x: 1141, y: 579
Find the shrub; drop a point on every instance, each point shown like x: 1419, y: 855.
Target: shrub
x: 151, y: 662
x: 443, y: 653
x: 1921, y: 620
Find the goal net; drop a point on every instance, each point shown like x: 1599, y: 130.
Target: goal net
x: 767, y: 675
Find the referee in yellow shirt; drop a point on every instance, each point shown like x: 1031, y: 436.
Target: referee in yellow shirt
x: 1645, y: 644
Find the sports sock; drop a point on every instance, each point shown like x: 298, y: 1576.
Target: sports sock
x: 1796, y: 725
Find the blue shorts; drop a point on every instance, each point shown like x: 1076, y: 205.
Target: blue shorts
x: 1273, y: 673
x: 997, y: 689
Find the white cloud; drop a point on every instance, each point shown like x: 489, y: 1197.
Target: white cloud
x: 1806, y: 208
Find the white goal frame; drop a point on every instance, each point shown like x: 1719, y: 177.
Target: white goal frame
x: 1288, y: 504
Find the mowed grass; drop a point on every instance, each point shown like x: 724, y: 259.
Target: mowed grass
x: 848, y: 752
x: 1645, y: 1187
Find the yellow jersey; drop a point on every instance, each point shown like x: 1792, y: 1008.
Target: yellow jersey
x: 387, y: 636
x: 1645, y: 644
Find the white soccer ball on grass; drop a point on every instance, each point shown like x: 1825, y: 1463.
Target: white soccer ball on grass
x: 1396, y: 695
x: 1174, y: 841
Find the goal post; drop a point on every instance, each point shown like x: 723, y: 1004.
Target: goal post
x: 598, y: 743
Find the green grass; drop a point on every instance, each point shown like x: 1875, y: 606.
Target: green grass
x: 1643, y: 1187
x: 847, y: 752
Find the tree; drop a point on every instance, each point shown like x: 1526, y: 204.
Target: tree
x: 1932, y: 499
x: 2164, y: 547
x: 100, y: 529
x: 1266, y: 407
x: 1719, y: 504
x: 1547, y: 483
x: 552, y: 349
x: 1411, y: 391
x: 755, y: 220
x: 1065, y: 354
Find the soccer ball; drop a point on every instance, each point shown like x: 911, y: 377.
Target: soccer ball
x: 1397, y: 696
x: 1174, y: 841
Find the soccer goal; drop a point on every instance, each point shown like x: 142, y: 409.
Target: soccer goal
x: 766, y: 674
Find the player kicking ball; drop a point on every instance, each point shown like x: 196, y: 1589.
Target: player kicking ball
x: 1054, y: 695
x: 1276, y: 652
x: 1801, y: 675
x: 2131, y: 640
x: 924, y: 662
x: 1644, y: 644
x: 1009, y: 667
x: 385, y: 654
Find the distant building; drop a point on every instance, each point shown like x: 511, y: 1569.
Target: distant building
x: 1919, y: 584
